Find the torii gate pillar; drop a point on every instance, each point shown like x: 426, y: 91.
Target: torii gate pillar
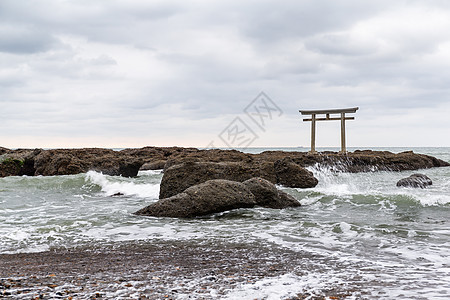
x: 327, y: 113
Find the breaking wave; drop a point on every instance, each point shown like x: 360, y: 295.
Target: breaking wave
x: 113, y: 185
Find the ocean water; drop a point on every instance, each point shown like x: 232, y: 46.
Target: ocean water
x: 362, y: 230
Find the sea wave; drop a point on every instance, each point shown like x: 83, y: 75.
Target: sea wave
x: 377, y: 187
x: 114, y: 185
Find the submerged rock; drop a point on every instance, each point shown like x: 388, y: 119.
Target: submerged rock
x: 415, y: 180
x: 219, y: 195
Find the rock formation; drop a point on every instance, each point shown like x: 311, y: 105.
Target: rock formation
x: 209, y: 197
x: 127, y: 162
x: 415, y: 180
x: 70, y: 161
x: 219, y: 195
x: 267, y: 195
x: 290, y: 174
x: 179, y: 177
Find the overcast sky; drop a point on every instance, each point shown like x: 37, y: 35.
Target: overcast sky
x: 131, y: 73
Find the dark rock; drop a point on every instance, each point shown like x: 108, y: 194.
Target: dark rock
x: 10, y: 167
x: 415, y: 180
x: 213, y: 155
x: 220, y: 195
x: 4, y: 150
x: 358, y: 161
x: 29, y: 161
x: 370, y: 161
x: 206, y: 198
x: 23, y: 162
x: 158, y: 154
x: 129, y: 167
x: 74, y: 161
x: 177, y: 178
x: 292, y: 175
x: 286, y: 200
x: 267, y: 195
x: 154, y: 165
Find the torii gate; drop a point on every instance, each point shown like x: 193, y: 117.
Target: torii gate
x: 327, y: 117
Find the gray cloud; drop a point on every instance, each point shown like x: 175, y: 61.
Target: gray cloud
x: 178, y: 72
x: 24, y: 40
x: 340, y: 44
x: 269, y: 22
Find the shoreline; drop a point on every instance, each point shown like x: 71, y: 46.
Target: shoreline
x: 166, y: 270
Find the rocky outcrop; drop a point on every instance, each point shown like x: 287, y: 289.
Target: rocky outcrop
x: 206, y: 198
x: 3, y: 150
x: 179, y: 177
x: 416, y: 181
x: 369, y: 161
x: 10, y: 167
x: 156, y: 157
x: 154, y: 165
x: 74, y: 161
x: 18, y: 162
x: 267, y: 195
x: 213, y: 155
x: 71, y: 161
x: 219, y: 195
x: 358, y: 161
x: 290, y: 174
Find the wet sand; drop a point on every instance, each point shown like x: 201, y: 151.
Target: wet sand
x: 147, y: 271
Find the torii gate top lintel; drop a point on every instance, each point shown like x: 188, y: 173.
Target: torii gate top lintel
x: 327, y: 113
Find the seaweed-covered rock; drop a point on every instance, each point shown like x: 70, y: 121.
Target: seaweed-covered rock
x: 291, y: 174
x: 74, y: 161
x: 18, y: 162
x: 218, y: 195
x: 10, y: 167
x: 206, y: 198
x: 154, y: 165
x: 267, y: 195
x: 177, y: 178
x: 3, y: 150
x: 416, y: 181
x: 276, y: 166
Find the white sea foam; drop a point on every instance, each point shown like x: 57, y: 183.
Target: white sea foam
x: 429, y: 199
x: 149, y: 172
x: 274, y: 288
x: 377, y: 184
x: 17, y: 235
x: 111, y: 186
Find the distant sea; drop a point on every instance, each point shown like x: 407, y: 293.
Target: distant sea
x: 355, y: 230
